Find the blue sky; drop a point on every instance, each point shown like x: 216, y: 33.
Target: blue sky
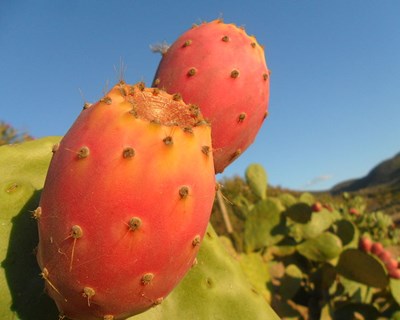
x: 335, y: 97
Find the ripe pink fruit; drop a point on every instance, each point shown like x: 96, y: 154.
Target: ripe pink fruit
x: 316, y: 207
x: 395, y: 273
x: 365, y: 244
x: 376, y: 248
x: 385, y: 256
x: 221, y: 69
x: 125, y: 204
x: 392, y: 264
x: 354, y: 212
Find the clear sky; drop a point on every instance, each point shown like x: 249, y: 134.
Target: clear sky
x: 335, y: 83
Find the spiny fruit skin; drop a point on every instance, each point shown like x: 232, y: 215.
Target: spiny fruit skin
x: 221, y: 69
x: 126, y: 202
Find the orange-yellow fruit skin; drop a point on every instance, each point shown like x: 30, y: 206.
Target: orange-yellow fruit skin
x: 129, y: 171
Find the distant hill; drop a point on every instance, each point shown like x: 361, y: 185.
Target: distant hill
x: 384, y: 175
x: 380, y: 187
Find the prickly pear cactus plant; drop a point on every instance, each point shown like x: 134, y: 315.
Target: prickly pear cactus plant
x: 319, y: 260
x: 263, y: 226
x: 221, y: 69
x: 207, y: 292
x: 256, y: 178
x: 125, y: 204
x: 215, y: 288
x: 23, y: 169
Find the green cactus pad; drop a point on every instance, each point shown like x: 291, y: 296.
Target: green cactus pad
x: 325, y: 247
x: 395, y: 288
x: 320, y: 221
x: 241, y: 207
x: 216, y: 288
x: 290, y: 283
x: 264, y: 226
x: 324, y: 277
x: 256, y: 270
x: 299, y: 212
x: 287, y: 199
x: 282, y: 250
x: 278, y: 202
x: 356, y: 290
x: 362, y: 267
x: 256, y: 178
x: 347, y: 232
x: 307, y: 197
x: 23, y: 169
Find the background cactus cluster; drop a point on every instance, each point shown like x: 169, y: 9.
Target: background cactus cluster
x: 312, y: 259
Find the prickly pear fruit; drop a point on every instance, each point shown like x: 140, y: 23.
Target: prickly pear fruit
x: 394, y: 273
x: 365, y: 244
x: 385, y: 256
x: 377, y: 248
x: 221, y: 69
x: 392, y: 264
x: 354, y: 212
x: 125, y: 204
x: 316, y: 207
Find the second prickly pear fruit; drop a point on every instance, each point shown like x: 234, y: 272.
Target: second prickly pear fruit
x: 218, y: 67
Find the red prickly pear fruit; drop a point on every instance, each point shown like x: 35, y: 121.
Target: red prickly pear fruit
x: 316, y: 207
x: 221, y: 69
x: 354, y: 212
x: 392, y: 264
x: 395, y: 273
x: 377, y: 248
x: 385, y: 256
x: 365, y: 244
x: 126, y: 203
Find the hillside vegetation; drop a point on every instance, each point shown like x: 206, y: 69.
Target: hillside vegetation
x: 380, y: 187
x: 321, y: 255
